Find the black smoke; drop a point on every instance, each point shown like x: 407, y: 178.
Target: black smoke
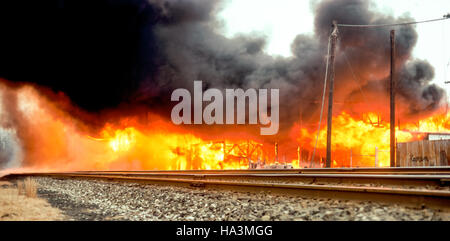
x: 103, y: 54
x: 90, y: 50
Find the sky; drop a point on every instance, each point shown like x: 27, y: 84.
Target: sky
x: 288, y: 18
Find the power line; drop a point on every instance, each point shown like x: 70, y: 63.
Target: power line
x: 446, y: 17
x: 444, y: 52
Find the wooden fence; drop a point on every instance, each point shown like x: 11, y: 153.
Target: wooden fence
x: 423, y: 153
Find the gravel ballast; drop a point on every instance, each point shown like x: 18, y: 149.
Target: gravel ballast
x: 104, y: 200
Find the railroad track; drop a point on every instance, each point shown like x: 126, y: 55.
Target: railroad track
x: 383, y: 170
x: 411, y: 186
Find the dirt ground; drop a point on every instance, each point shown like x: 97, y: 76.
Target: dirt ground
x: 18, y: 206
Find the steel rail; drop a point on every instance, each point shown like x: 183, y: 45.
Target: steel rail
x: 418, y: 181
x: 340, y: 186
x: 395, y: 170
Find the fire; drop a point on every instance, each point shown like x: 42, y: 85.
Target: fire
x: 359, y: 142
x: 131, y: 147
x: 436, y: 123
x: 122, y: 140
x: 50, y: 139
x: 179, y: 151
x: 53, y: 140
x: 354, y: 143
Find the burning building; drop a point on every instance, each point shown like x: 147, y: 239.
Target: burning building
x: 87, y: 86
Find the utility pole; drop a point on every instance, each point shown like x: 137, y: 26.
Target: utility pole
x: 392, y: 98
x: 330, y: 93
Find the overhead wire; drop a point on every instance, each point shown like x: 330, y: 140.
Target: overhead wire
x: 446, y: 17
x: 444, y: 52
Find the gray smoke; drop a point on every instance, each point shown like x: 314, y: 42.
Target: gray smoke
x: 11, y: 148
x: 190, y: 48
x: 414, y: 84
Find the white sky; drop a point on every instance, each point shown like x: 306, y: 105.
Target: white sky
x: 282, y: 20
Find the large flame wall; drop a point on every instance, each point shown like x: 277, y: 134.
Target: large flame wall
x: 42, y: 136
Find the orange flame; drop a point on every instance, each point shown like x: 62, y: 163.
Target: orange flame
x: 54, y: 140
x: 368, y: 144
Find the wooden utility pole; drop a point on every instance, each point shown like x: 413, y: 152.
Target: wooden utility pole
x: 330, y: 93
x: 392, y: 98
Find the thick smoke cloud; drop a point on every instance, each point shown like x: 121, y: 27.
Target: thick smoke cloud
x: 90, y: 50
x: 414, y: 84
x: 116, y: 52
x: 368, y: 52
x: 193, y: 50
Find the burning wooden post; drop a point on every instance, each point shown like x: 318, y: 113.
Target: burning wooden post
x: 276, y: 152
x: 248, y: 154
